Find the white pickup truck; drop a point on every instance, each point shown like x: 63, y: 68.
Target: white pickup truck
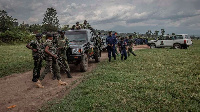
x: 181, y: 41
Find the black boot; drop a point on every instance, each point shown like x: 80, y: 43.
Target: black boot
x: 109, y: 59
x: 54, y: 77
x: 69, y: 75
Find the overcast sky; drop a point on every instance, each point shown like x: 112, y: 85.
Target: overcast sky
x: 178, y: 16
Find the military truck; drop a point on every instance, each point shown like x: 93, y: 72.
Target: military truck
x: 82, y: 47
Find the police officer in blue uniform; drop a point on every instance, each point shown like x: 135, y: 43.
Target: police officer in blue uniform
x: 111, y: 41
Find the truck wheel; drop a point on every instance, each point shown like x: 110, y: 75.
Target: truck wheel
x: 97, y: 57
x: 84, y: 63
x: 177, y: 46
x: 152, y: 46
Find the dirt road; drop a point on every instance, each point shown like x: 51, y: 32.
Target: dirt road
x: 19, y: 90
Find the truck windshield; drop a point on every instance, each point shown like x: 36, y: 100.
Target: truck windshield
x: 77, y: 37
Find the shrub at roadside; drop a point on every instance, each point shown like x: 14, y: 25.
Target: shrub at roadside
x: 15, y: 36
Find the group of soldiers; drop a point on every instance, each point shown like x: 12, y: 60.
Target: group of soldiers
x: 125, y: 44
x: 85, y: 25
x: 53, y: 51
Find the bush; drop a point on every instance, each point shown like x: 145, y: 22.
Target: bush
x: 15, y: 36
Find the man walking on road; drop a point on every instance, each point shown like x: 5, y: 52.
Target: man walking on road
x: 62, y: 45
x: 111, y: 41
x: 51, y: 62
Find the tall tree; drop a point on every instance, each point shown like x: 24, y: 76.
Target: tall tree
x: 162, y: 31
x: 35, y: 28
x: 156, y: 33
x: 6, y: 22
x: 50, y: 21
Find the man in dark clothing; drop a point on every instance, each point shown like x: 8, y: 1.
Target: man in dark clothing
x: 110, y: 41
x: 123, y: 44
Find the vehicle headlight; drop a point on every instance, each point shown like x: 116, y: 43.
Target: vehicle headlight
x: 77, y: 51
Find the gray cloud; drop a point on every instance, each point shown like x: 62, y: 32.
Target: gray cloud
x: 126, y: 15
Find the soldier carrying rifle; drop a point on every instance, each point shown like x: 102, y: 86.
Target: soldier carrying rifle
x: 51, y: 59
x: 62, y: 45
x: 38, y: 54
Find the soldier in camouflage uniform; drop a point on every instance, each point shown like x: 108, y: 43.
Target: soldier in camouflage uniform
x: 62, y: 46
x: 51, y: 62
x: 78, y: 26
x: 97, y: 43
x: 85, y: 25
x: 130, y: 46
x: 37, y: 52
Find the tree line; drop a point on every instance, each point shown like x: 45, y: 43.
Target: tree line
x: 11, y: 32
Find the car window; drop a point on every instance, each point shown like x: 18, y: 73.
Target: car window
x: 167, y: 38
x: 161, y: 38
x: 187, y: 37
x: 179, y: 37
x: 77, y: 37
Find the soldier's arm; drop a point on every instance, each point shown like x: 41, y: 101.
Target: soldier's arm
x: 49, y: 53
x: 29, y: 47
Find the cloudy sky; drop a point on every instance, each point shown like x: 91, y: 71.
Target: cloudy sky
x: 178, y: 16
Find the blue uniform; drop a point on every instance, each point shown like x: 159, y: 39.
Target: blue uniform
x: 123, y: 50
x: 111, y: 41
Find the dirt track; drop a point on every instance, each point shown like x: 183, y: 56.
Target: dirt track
x: 19, y: 90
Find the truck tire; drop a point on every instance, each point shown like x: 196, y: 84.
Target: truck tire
x: 176, y: 46
x: 84, y: 63
x: 152, y: 46
x: 97, y: 57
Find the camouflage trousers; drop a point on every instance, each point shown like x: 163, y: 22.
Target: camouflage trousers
x: 51, y: 64
x: 64, y: 61
x: 37, y: 68
x: 130, y: 50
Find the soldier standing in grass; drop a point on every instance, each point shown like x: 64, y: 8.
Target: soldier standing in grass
x: 51, y: 62
x: 130, y: 46
x: 37, y: 52
x: 62, y: 45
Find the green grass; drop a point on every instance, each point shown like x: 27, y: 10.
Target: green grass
x: 15, y: 59
x: 154, y: 80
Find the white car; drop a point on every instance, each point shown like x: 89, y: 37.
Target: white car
x: 174, y: 41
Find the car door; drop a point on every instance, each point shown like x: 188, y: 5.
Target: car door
x: 168, y: 41
x: 159, y: 42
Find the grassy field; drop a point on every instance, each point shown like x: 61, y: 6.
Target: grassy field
x: 154, y: 80
x: 15, y: 59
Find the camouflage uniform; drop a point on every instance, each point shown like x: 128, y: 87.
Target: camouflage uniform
x: 86, y: 26
x: 51, y: 63
x: 37, y: 57
x: 63, y: 43
x: 130, y: 47
x: 97, y: 44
